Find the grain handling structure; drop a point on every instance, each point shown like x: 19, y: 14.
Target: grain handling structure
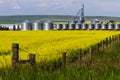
x: 79, y: 16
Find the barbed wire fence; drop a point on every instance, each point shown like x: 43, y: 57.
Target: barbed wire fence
x: 108, y: 42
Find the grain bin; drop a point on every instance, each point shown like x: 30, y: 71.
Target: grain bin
x: 65, y: 26
x: 97, y: 26
x: 18, y: 27
x: 37, y: 25
x: 59, y: 26
x: 104, y: 27
x: 84, y: 26
x: 117, y: 26
x: 48, y: 25
x: 14, y: 27
x: 111, y: 26
x: 71, y: 25
x: 91, y: 26
x: 26, y: 25
x: 78, y: 26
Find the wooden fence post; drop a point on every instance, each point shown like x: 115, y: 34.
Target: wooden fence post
x: 110, y: 42
x: 32, y: 59
x: 98, y: 47
x: 113, y: 40
x: 103, y: 42
x: 94, y: 48
x: 85, y: 54
x: 80, y: 56
x: 119, y: 37
x: 15, y: 55
x: 90, y: 52
x: 63, y: 60
x: 106, y: 42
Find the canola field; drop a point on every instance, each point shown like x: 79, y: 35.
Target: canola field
x: 47, y: 45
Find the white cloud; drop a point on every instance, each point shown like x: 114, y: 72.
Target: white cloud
x: 58, y: 5
x: 49, y: 5
x: 43, y: 5
x: 55, y: 4
x: 92, y: 7
x: 16, y: 6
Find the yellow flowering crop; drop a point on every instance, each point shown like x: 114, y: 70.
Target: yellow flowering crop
x: 47, y: 44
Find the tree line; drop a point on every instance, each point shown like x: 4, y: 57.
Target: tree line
x: 4, y: 28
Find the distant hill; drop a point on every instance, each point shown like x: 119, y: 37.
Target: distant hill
x: 21, y: 18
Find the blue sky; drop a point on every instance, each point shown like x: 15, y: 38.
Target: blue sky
x: 60, y: 7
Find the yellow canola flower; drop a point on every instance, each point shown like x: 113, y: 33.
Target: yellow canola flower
x: 47, y: 45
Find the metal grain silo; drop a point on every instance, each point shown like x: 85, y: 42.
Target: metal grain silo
x: 59, y: 26
x: 14, y: 27
x: 111, y: 26
x: 17, y: 27
x: 26, y: 25
x: 84, y: 26
x: 48, y: 25
x: 117, y: 26
x: 104, y: 27
x: 65, y: 26
x: 37, y: 25
x: 78, y: 26
x: 97, y: 26
x: 91, y: 26
x: 71, y: 25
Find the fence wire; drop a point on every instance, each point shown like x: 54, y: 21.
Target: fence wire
x: 38, y: 54
x: 60, y: 54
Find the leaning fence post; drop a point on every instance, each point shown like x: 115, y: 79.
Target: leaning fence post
x: 80, y: 56
x: 15, y: 54
x: 63, y: 60
x: 32, y: 59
